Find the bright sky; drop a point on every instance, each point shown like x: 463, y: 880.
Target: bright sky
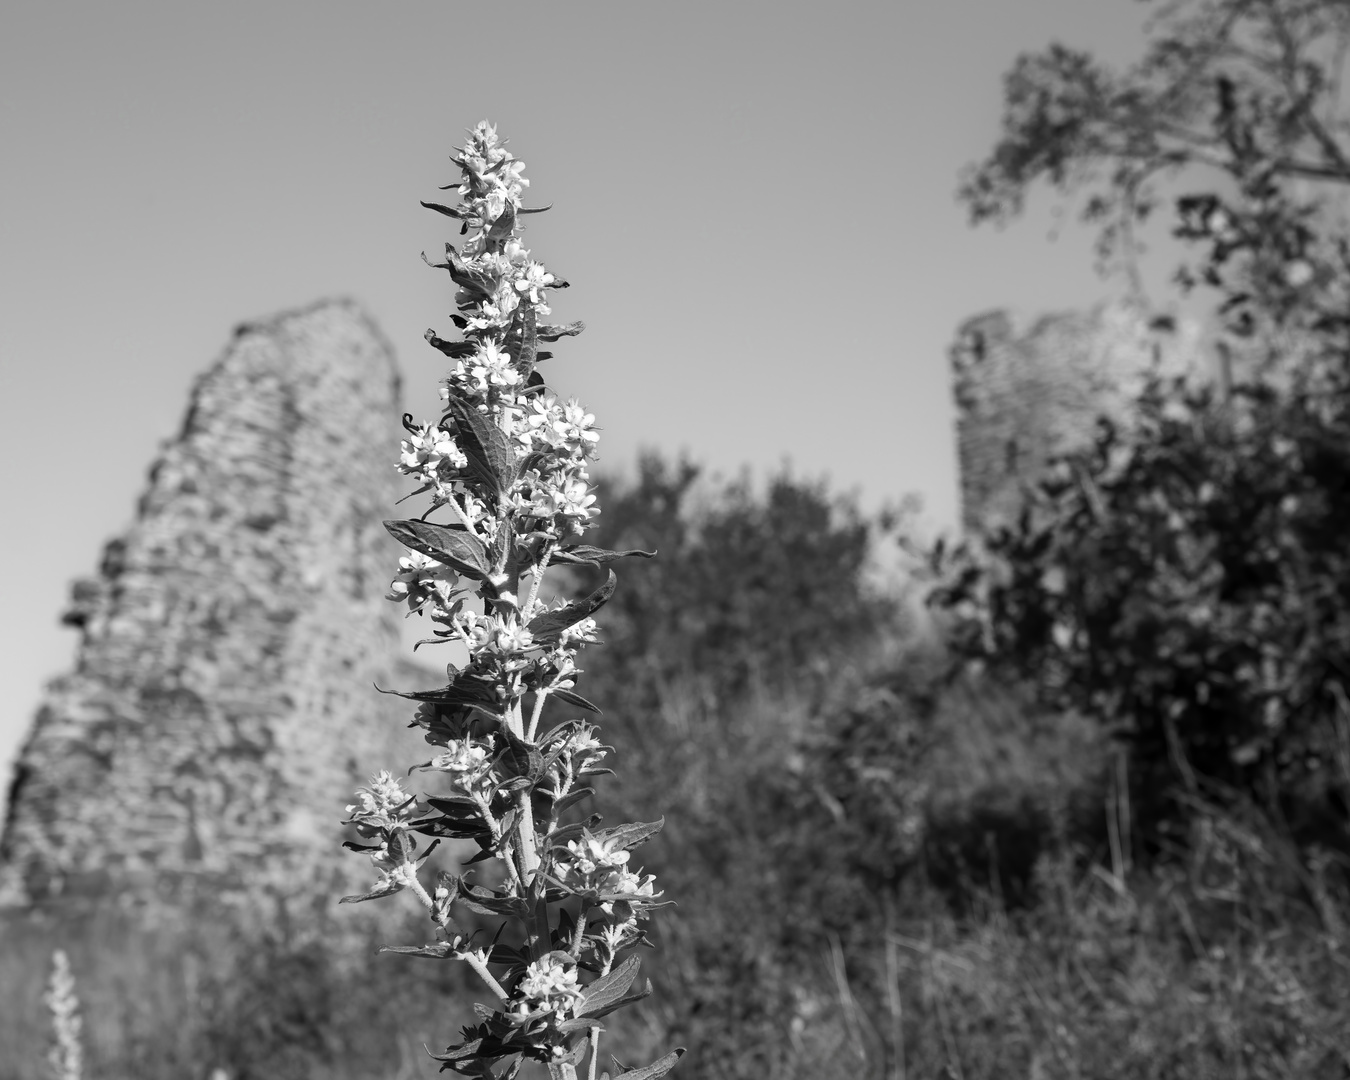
x: 754, y: 202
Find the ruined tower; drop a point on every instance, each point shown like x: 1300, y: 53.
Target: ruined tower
x: 221, y: 708
x: 1024, y: 395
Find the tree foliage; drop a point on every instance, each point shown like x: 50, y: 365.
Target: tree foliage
x: 1186, y: 579
x: 749, y: 587
x: 1243, y: 98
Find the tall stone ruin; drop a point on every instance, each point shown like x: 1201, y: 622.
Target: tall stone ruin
x: 221, y: 708
x: 1025, y: 395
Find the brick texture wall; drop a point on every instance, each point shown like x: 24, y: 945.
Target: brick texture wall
x: 1025, y: 394
x: 220, y: 709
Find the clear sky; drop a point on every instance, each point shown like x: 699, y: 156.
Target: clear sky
x: 754, y: 202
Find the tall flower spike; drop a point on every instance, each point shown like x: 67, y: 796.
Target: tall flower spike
x: 506, y: 469
x: 65, y: 1057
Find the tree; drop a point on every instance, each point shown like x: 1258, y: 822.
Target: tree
x: 1185, y: 579
x: 1242, y: 96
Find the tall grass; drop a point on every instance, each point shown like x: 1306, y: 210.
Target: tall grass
x: 835, y: 948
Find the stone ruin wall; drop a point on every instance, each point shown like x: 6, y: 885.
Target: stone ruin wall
x: 1024, y: 395
x: 220, y: 709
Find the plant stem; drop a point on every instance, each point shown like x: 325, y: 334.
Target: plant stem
x: 537, y: 926
x: 595, y: 1052
x: 480, y: 966
x: 539, y: 572
x: 419, y: 891
x: 539, y: 697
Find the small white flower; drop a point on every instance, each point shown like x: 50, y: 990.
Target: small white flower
x: 577, y: 429
x: 427, y: 448
x: 383, y: 805
x: 583, y: 632
x: 422, y: 579
x: 590, y: 855
x: 533, y: 280
x: 549, y: 984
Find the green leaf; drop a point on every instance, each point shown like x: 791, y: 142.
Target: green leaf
x: 462, y: 691
x: 549, y: 626
x: 454, y: 828
x: 491, y: 456
x: 631, y: 835
x: 573, y: 698
x: 486, y: 902
x: 518, y: 757
x: 390, y: 887
x: 502, y: 226
x: 586, y: 555
x: 505, y: 954
x: 456, y: 350
x: 571, y: 799
x: 439, y: 950
x: 527, y: 339
x: 552, y: 332
x: 448, y: 211
x: 609, y: 988
x: 655, y: 1069
x: 475, y: 281
x: 454, y: 546
x: 618, y: 1003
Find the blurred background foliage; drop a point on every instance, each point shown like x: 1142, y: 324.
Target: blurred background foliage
x: 1085, y: 818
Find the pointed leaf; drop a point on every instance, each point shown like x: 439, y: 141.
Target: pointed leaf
x: 456, y: 350
x: 456, y: 547
x: 518, y: 757
x: 618, y: 1003
x: 470, y: 278
x: 609, y: 988
x: 584, y: 554
x: 529, y: 337
x: 491, y: 456
x: 571, y: 799
x: 501, y: 226
x: 655, y: 1069
x: 439, y: 950
x: 462, y: 691
x: 454, y: 828
x: 631, y: 835
x: 550, y: 625
x: 461, y: 1052
x: 388, y: 888
x: 448, y: 211
x: 552, y: 331
x: 486, y: 902
x: 573, y: 698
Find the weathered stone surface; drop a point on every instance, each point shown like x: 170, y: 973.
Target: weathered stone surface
x: 220, y: 709
x: 1026, y: 395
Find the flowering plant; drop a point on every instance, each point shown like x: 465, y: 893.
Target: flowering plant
x: 507, y: 465
x: 65, y: 1055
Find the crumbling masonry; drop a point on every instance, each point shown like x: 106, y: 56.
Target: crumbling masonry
x: 220, y: 709
x: 1024, y: 396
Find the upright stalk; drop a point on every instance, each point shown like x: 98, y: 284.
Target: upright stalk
x: 509, y: 460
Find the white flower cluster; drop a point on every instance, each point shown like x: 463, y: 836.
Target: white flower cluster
x: 553, y: 441
x: 548, y: 985
x: 65, y: 1058
x: 468, y: 763
x: 598, y: 866
x: 421, y: 579
x: 383, y: 805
